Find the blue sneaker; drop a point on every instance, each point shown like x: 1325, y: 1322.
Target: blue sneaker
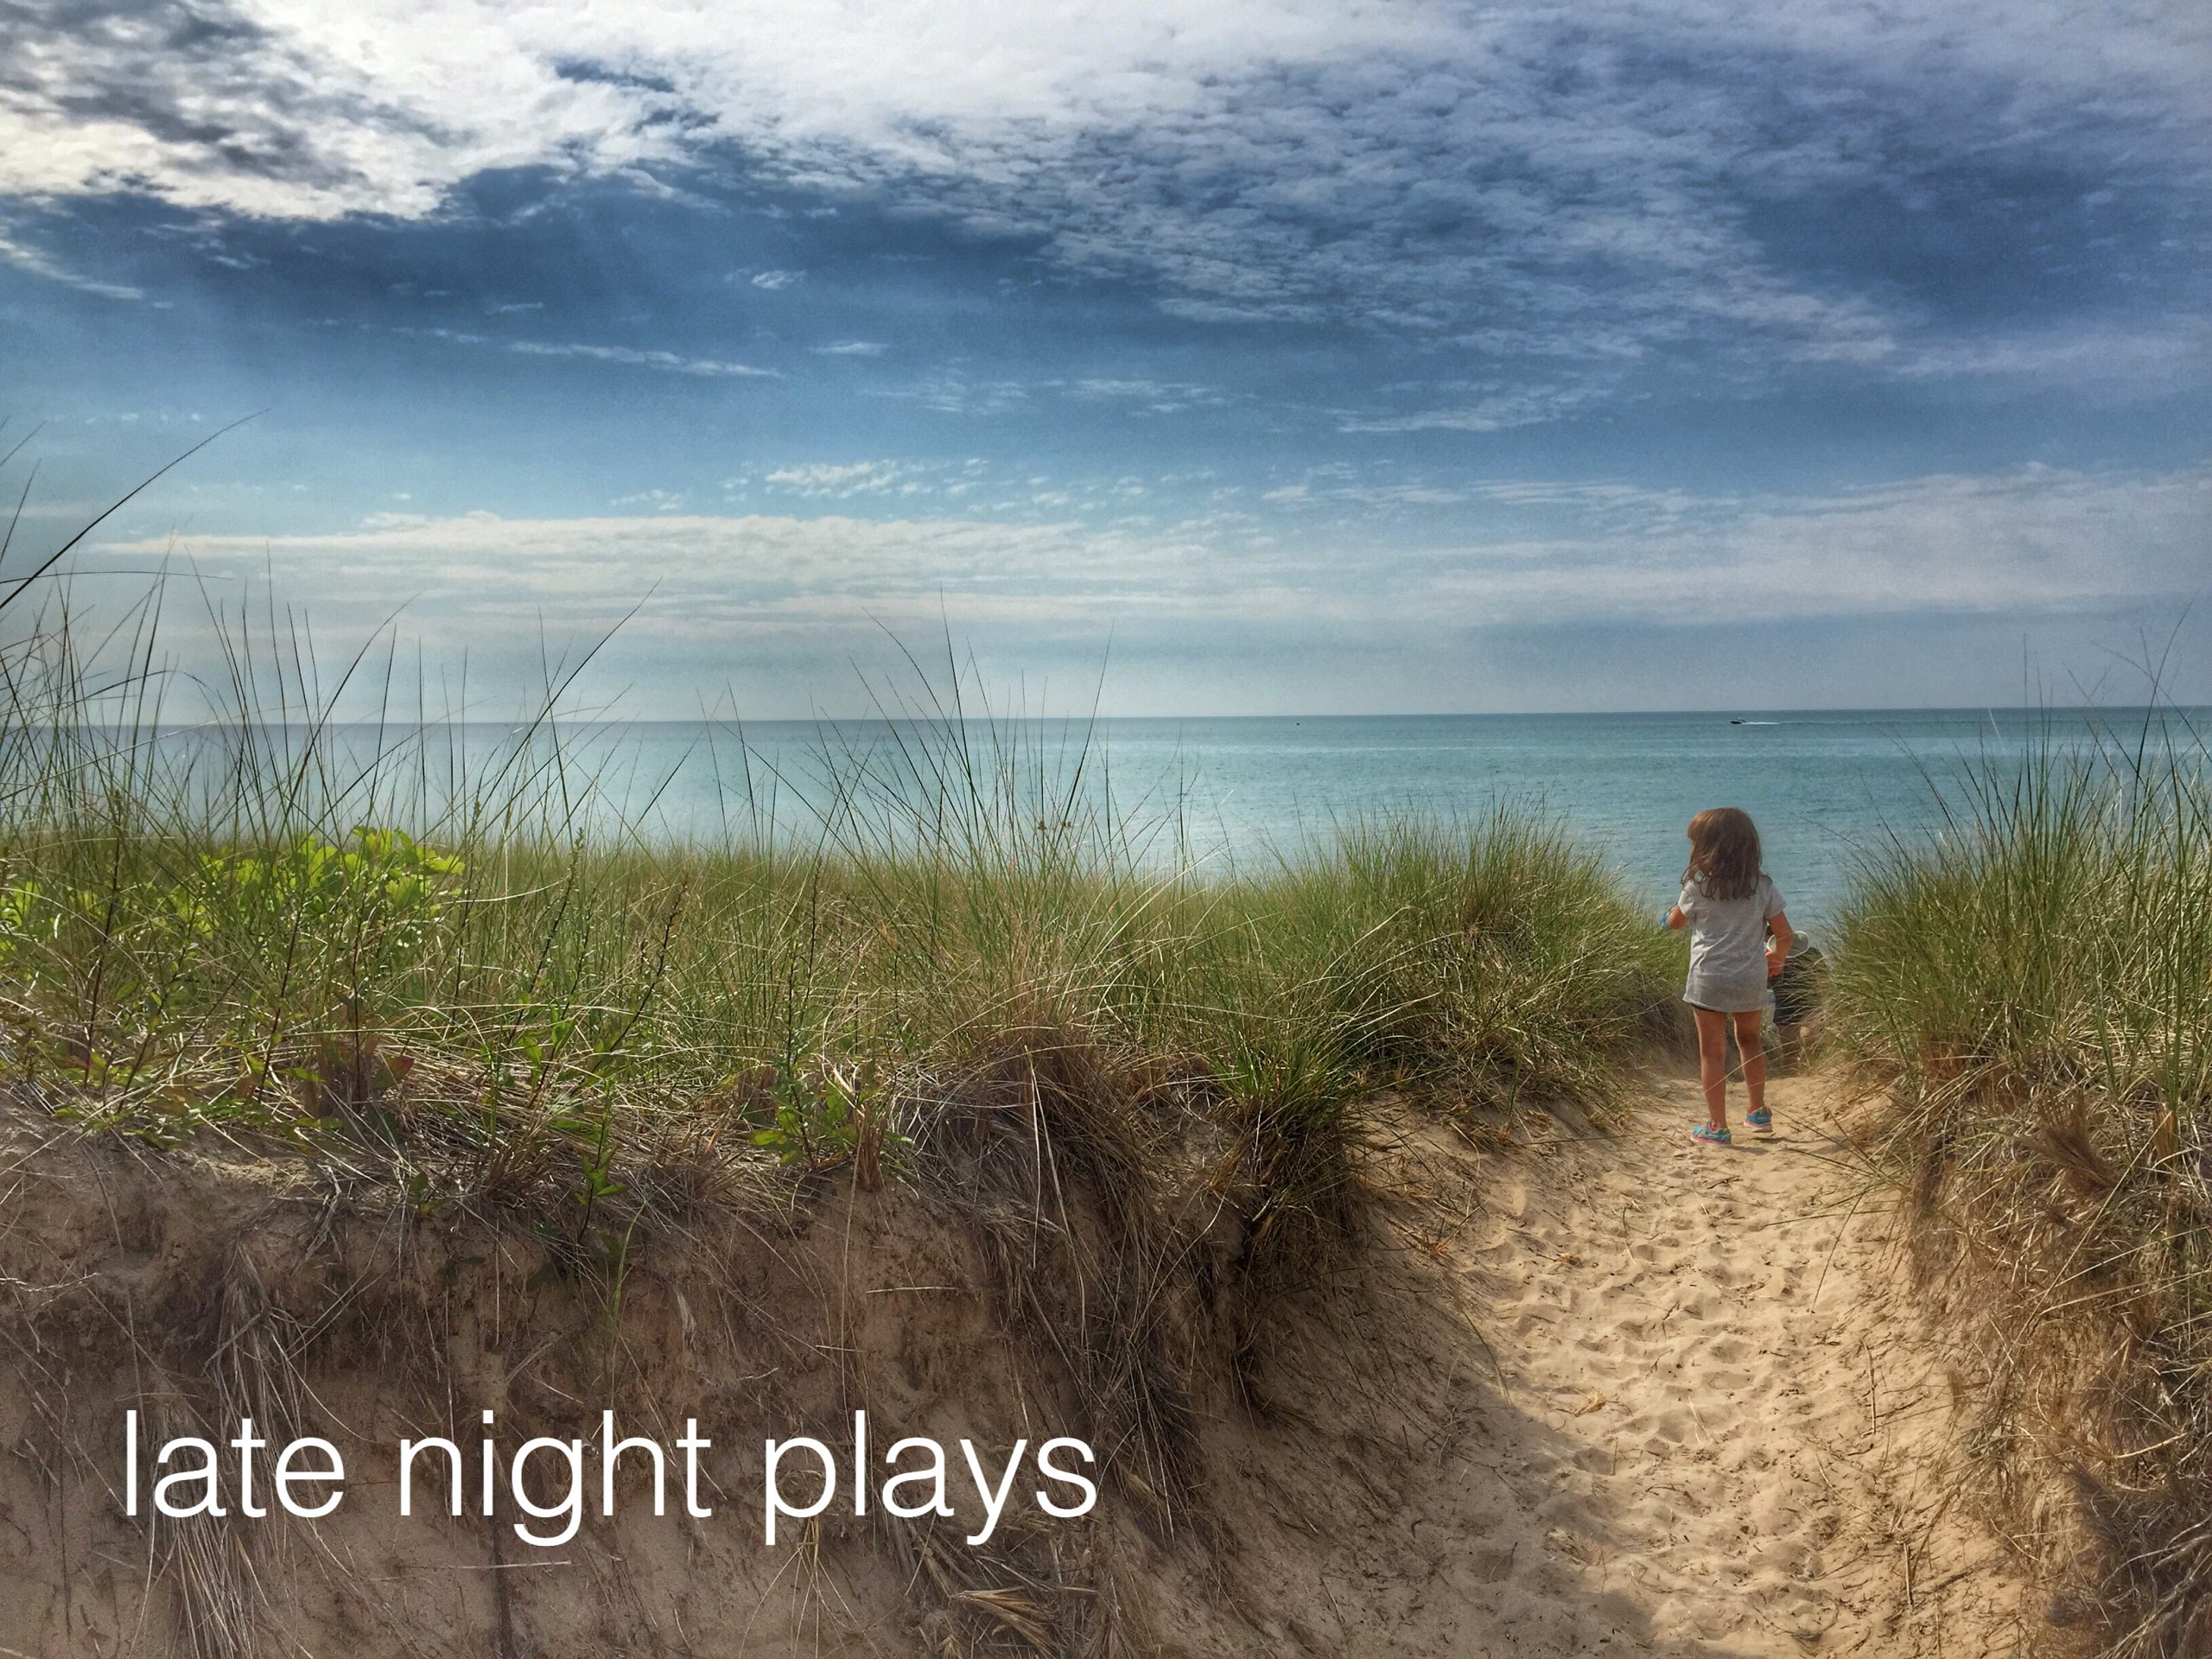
x: 1761, y: 1120
x: 1707, y: 1132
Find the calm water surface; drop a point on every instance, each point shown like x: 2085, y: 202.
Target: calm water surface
x: 1824, y: 787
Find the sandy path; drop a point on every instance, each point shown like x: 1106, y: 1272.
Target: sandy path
x: 1717, y: 1427
x: 1747, y: 1427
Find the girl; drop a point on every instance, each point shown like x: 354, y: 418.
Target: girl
x: 1729, y: 906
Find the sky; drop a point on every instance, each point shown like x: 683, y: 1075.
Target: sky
x: 1273, y: 358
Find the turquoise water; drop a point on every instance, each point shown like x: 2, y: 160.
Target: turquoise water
x: 1824, y: 787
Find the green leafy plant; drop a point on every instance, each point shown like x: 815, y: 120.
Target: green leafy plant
x: 19, y: 914
x: 844, y: 1118
x: 383, y: 879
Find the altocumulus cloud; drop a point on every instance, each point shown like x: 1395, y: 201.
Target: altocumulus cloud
x: 1381, y: 317
x: 1590, y: 180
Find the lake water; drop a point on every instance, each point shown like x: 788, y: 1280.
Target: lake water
x: 1823, y: 787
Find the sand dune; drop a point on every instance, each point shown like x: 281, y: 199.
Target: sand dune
x: 1608, y: 1393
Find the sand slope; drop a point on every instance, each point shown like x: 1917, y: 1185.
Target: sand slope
x: 1612, y: 1393
x: 1716, y: 1424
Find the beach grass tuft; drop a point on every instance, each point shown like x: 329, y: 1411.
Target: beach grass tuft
x: 2036, y: 984
x: 474, y: 972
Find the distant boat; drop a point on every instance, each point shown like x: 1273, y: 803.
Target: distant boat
x: 1735, y: 722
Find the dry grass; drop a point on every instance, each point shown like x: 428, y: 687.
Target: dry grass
x: 2038, y: 985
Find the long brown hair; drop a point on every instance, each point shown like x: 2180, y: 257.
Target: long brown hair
x: 1724, y: 853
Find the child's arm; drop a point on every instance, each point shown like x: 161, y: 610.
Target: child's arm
x: 1778, y: 947
x: 1676, y: 920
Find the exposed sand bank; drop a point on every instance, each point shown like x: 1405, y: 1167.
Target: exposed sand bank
x: 1626, y: 1395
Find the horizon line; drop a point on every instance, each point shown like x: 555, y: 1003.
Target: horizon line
x: 542, y: 716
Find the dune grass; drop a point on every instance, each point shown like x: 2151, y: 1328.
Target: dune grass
x: 475, y: 1004
x: 2037, y: 982
x: 346, y: 941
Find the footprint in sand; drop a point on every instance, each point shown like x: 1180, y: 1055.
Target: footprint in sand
x: 1667, y: 1383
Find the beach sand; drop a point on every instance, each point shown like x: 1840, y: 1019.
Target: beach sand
x: 1716, y: 1423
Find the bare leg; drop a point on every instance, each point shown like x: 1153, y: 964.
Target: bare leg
x: 1753, y: 1049
x: 1713, y: 1063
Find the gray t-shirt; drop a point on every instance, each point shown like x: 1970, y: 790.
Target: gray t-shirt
x: 1728, y: 947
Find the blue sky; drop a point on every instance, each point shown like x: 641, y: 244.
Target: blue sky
x: 1283, y: 358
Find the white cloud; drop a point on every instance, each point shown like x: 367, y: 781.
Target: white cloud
x: 629, y: 356
x: 1152, y: 396
x: 2035, y: 540
x: 24, y: 257
x: 478, y: 575
x: 1573, y: 183
x: 833, y: 479
x: 953, y: 392
x: 2032, y: 541
x: 712, y: 368
x: 651, y: 500
x: 1496, y: 410
x: 850, y: 348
